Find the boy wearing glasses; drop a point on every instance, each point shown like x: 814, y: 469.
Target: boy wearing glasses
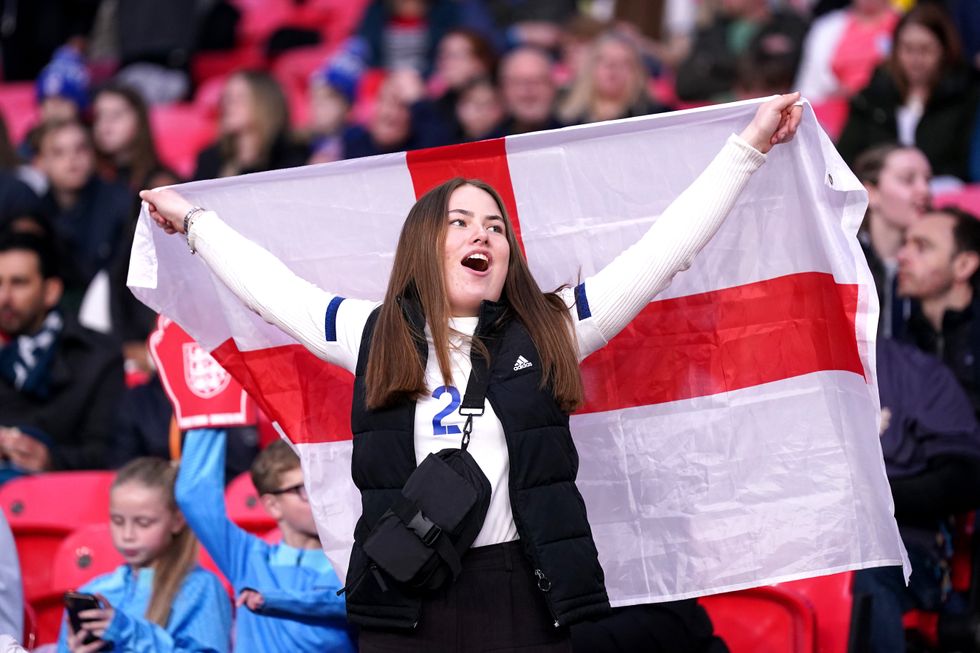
x: 286, y: 592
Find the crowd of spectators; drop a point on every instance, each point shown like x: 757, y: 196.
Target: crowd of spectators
x: 423, y: 73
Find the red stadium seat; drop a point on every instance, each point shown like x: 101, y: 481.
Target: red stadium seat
x: 208, y: 97
x: 966, y: 198
x: 763, y: 620
x: 180, y: 132
x: 86, y: 553
x: 206, y: 65
x: 831, y: 598
x: 245, y: 508
x: 43, y: 510
x: 17, y: 104
x: 832, y: 116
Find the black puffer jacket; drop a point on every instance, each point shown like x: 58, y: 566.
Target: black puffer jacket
x: 548, y: 510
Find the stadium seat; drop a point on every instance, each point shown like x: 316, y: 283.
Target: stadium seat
x: 763, y: 620
x: 206, y: 65
x: 966, y: 198
x: 832, y: 116
x: 180, y: 132
x: 86, y: 553
x: 43, y: 510
x: 245, y: 508
x: 30, y: 627
x: 17, y: 104
x: 831, y: 598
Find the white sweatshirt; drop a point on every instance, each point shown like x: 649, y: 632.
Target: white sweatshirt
x: 615, y: 295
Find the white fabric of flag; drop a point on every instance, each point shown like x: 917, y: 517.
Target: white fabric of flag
x: 769, y: 470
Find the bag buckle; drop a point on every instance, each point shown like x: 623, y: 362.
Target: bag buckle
x: 427, y: 530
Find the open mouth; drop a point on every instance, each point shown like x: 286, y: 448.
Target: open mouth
x: 476, y: 261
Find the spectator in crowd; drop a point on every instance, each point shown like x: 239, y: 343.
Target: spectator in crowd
x: 528, y: 89
x: 843, y: 48
x: 612, y: 84
x: 253, y: 131
x: 59, y: 382
x: 463, y: 55
x: 739, y: 26
x: 88, y: 214
x: 405, y: 33
x: 11, y: 590
x: 159, y: 599
x: 286, y: 592
x: 123, y: 140
x: 143, y: 428
x: 16, y: 197
x: 923, y: 96
x: 577, y: 39
x: 897, y: 180
x: 479, y: 111
x: 931, y: 445
x: 333, y: 91
x: 402, y: 120
x: 536, y: 23
x: 937, y: 266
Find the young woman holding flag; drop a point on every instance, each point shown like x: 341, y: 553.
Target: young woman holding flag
x: 460, y: 296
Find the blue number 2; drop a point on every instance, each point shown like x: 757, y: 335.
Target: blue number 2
x: 437, y: 427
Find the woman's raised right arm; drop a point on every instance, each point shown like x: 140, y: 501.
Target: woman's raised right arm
x: 264, y: 283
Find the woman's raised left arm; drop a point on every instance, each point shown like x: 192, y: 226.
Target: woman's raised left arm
x: 618, y: 292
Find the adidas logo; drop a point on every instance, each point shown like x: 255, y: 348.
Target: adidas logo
x: 522, y: 363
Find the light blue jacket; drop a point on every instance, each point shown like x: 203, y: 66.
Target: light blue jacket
x: 200, y: 619
x: 302, y: 611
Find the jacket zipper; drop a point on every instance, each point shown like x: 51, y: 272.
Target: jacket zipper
x: 544, y: 584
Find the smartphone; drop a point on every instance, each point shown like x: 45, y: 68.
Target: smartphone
x: 76, y: 602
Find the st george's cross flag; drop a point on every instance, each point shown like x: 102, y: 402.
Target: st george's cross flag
x: 730, y: 433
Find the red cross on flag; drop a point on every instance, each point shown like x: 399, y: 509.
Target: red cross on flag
x: 730, y: 433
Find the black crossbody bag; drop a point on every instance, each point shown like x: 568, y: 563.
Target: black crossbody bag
x: 420, y: 540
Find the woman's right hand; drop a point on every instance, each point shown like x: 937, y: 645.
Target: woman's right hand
x: 167, y: 208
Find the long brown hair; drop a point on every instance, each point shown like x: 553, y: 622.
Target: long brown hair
x: 179, y: 558
x: 143, y: 160
x: 934, y: 19
x: 270, y: 111
x: 395, y: 369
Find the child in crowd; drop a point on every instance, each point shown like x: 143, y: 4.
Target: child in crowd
x: 160, y: 600
x: 287, y: 592
x: 333, y: 91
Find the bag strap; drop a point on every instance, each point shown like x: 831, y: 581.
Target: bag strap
x: 473, y: 400
x: 428, y: 531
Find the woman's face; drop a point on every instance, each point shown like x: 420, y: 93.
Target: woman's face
x: 142, y: 523
x: 476, y: 254
x: 919, y: 54
x: 456, y: 63
x: 391, y: 123
x: 115, y: 124
x: 614, y: 73
x: 902, y: 195
x: 236, y: 106
x: 479, y: 110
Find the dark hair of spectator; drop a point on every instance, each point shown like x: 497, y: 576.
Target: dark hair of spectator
x: 45, y: 129
x: 869, y: 164
x: 966, y: 229
x: 269, y: 466
x: 933, y: 17
x: 482, y: 48
x: 143, y: 152
x: 8, y: 155
x: 269, y: 108
x: 42, y: 247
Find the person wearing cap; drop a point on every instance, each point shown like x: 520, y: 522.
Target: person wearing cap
x: 333, y: 91
x: 62, y: 92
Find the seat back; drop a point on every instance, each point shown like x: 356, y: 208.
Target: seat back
x: 245, y: 508
x: 43, y: 509
x: 831, y: 598
x: 762, y: 620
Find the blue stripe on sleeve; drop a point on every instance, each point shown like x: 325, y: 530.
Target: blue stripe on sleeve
x: 330, y: 321
x: 582, y: 302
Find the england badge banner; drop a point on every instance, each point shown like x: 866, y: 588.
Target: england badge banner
x: 730, y: 433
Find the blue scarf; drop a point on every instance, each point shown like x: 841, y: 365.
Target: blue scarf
x: 25, y: 361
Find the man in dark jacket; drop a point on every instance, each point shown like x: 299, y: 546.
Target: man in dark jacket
x: 937, y: 267
x: 59, y: 382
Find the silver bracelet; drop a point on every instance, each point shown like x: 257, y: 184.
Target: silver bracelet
x: 188, y: 223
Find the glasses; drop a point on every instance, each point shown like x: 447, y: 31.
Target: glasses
x: 299, y: 490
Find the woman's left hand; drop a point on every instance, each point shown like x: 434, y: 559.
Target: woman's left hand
x: 775, y: 122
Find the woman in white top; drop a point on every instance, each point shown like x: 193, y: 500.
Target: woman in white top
x: 458, y: 260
